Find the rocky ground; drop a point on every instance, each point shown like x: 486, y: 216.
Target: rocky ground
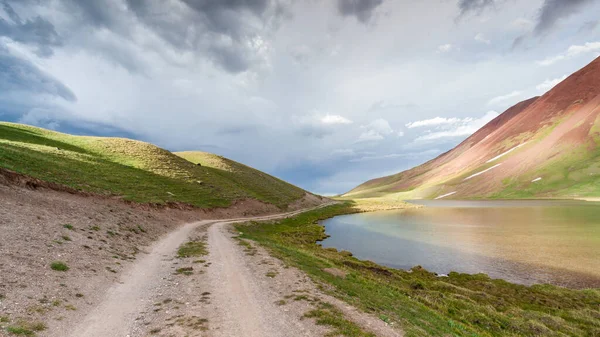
x: 75, y: 265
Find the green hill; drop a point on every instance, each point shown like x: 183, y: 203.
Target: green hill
x: 135, y: 170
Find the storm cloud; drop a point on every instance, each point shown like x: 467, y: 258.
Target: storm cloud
x: 37, y: 32
x: 553, y: 11
x: 21, y: 76
x: 475, y: 6
x: 361, y: 9
x: 319, y: 93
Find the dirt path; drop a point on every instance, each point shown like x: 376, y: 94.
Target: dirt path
x: 229, y: 294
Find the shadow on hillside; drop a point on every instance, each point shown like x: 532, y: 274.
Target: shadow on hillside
x: 26, y: 136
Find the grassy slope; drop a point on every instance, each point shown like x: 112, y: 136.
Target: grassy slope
x: 426, y: 305
x: 259, y: 184
x: 575, y: 173
x: 136, y: 170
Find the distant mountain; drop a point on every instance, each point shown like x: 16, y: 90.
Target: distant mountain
x: 544, y: 147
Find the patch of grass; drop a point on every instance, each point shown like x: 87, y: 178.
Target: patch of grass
x: 185, y: 271
x: 327, y: 314
x: 135, y: 170
x: 4, y: 319
x: 192, y: 249
x: 25, y: 328
x: 66, y: 238
x: 248, y: 248
x: 419, y: 301
x: 59, y: 266
x: 68, y: 226
x: 19, y: 331
x: 271, y: 274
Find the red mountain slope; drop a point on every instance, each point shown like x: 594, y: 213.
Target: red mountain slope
x: 552, y: 139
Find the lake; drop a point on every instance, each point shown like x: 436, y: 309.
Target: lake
x: 525, y: 242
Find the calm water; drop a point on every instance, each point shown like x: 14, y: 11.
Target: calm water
x: 525, y: 242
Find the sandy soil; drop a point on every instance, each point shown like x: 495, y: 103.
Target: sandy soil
x: 122, y: 279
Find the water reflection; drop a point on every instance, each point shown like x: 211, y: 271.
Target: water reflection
x: 521, y: 241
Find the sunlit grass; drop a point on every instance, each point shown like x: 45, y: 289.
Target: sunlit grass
x: 423, y: 303
x: 134, y: 170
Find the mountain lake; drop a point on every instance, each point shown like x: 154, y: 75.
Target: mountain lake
x: 525, y: 241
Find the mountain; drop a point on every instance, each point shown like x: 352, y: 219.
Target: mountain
x: 138, y: 171
x: 544, y: 147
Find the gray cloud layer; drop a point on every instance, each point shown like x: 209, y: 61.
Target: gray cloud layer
x: 224, y: 31
x: 361, y: 9
x: 467, y: 6
x: 296, y: 88
x: 37, y: 32
x: 19, y: 75
x: 553, y: 11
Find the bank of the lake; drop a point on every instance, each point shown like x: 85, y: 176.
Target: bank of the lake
x: 525, y: 241
x: 419, y: 301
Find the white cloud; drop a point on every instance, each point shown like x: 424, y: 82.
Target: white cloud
x: 400, y: 133
x: 573, y: 51
x: 549, y: 84
x: 467, y: 127
x: 481, y: 38
x: 335, y: 119
x: 375, y: 130
x: 320, y: 119
x: 444, y: 48
x: 522, y: 24
x: 502, y: 98
x: 379, y: 125
x: 412, y: 155
x: 343, y: 152
x: 370, y: 135
x: 432, y: 121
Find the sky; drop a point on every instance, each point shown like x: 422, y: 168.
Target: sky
x: 323, y: 94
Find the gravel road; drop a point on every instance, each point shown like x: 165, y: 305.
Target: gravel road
x: 229, y: 294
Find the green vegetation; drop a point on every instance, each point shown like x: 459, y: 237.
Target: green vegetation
x: 259, y: 185
x: 68, y: 226
x: 574, y: 174
x: 422, y: 303
x: 23, y: 328
x: 59, y: 266
x: 192, y: 249
x: 185, y: 271
x: 135, y: 170
x: 327, y: 314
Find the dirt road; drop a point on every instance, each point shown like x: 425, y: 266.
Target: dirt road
x: 233, y: 292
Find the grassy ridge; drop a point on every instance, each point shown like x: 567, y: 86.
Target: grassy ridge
x: 259, y: 184
x: 422, y: 303
x: 136, y: 170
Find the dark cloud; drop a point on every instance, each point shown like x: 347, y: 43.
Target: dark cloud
x: 37, y: 32
x: 221, y: 30
x: 474, y: 6
x: 589, y: 26
x: 553, y: 11
x: 518, y: 42
x: 361, y: 9
x: 19, y: 75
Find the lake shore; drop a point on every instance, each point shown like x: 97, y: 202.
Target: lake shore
x: 421, y: 302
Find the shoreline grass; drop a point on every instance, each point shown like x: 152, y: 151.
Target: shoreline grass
x: 422, y: 303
